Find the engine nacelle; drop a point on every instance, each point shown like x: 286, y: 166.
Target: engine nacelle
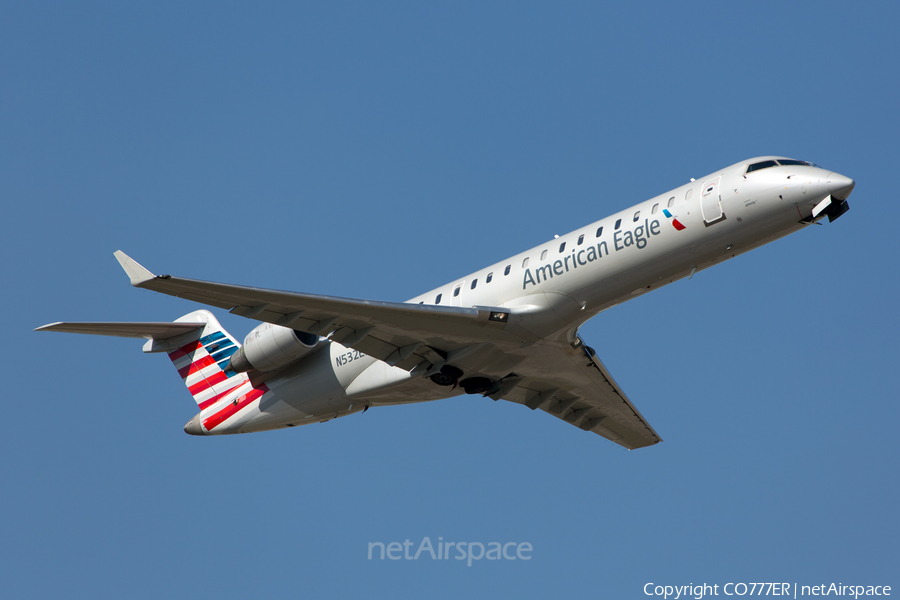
x: 271, y: 346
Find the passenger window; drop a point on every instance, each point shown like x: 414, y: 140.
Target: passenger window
x: 506, y: 270
x: 544, y: 255
x: 618, y: 224
x: 474, y: 283
x: 671, y: 202
x: 525, y: 263
x: 438, y: 299
x: 580, y: 239
x: 599, y: 231
x: 456, y: 291
x: 489, y: 277
x: 637, y: 216
x: 687, y: 195
x: 655, y: 209
x: 562, y: 247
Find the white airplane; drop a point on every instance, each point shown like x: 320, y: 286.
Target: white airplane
x: 508, y: 331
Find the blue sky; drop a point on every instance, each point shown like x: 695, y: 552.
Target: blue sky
x: 377, y: 151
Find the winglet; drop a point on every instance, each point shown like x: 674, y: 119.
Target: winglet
x: 135, y: 271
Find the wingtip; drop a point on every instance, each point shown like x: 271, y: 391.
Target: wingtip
x: 137, y: 273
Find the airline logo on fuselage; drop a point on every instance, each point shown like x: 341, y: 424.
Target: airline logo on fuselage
x: 675, y: 222
x: 639, y: 238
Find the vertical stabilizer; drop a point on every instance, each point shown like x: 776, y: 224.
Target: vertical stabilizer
x: 201, y: 359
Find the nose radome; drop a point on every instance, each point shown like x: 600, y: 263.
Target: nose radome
x: 840, y: 186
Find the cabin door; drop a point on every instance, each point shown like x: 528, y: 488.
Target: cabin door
x: 711, y: 202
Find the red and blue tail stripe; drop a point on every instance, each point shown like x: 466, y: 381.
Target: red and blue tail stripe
x: 248, y: 395
x: 201, y: 363
x: 204, y: 377
x: 220, y: 348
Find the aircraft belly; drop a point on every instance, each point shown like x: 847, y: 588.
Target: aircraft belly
x: 273, y: 415
x: 312, y: 387
x: 314, y: 390
x: 376, y: 376
x: 418, y: 389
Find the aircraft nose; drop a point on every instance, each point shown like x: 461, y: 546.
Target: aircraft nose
x: 840, y: 186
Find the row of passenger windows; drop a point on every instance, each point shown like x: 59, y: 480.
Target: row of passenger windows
x: 488, y: 279
x: 562, y: 246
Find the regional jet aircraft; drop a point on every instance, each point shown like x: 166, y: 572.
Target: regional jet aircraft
x: 508, y: 331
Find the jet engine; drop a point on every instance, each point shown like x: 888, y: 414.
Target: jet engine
x: 271, y: 346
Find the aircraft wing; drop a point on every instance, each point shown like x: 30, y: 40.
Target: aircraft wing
x: 401, y: 334
x: 567, y: 382
x: 573, y: 385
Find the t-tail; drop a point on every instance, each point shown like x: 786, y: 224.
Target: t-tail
x: 199, y: 348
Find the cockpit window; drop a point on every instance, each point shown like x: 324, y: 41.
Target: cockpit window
x: 789, y: 162
x: 761, y: 165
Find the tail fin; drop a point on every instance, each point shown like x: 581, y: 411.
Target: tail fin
x: 201, y: 357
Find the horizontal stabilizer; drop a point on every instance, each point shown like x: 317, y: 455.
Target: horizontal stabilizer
x: 198, y: 347
x: 150, y: 331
